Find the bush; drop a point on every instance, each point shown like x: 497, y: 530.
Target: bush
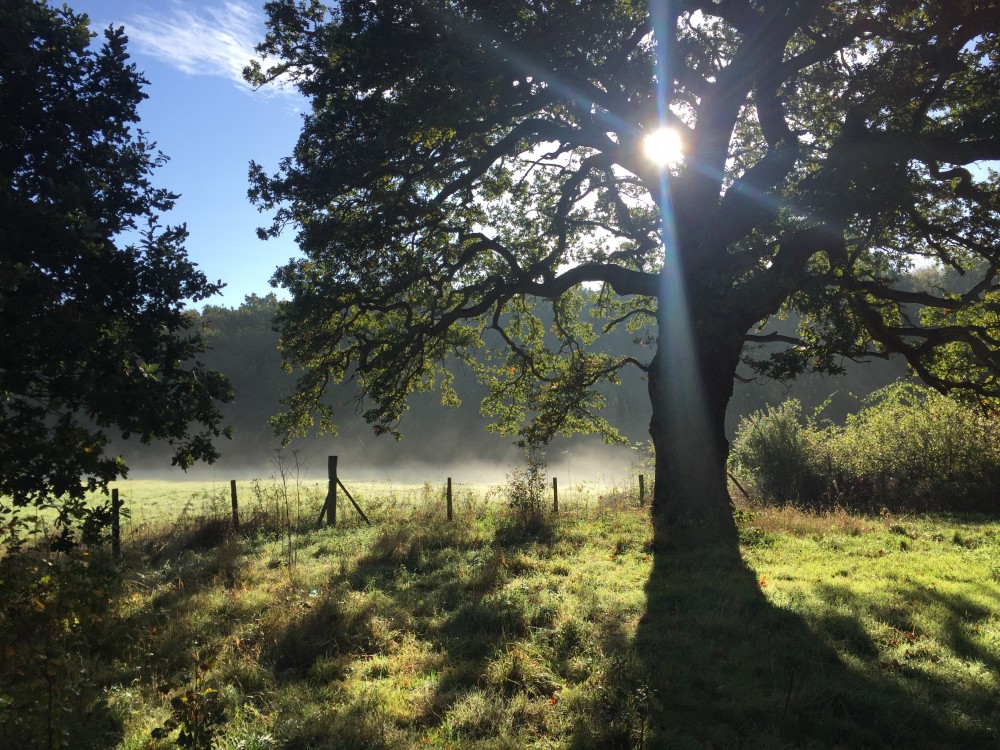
x: 52, y: 621
x: 524, y: 489
x: 914, y: 447
x: 909, y: 448
x: 772, y: 450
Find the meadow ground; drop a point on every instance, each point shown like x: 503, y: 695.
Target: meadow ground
x: 499, y: 630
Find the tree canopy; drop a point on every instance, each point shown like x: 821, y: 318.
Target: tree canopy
x: 464, y: 158
x: 93, y: 330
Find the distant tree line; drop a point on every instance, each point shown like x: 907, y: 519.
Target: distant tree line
x: 244, y: 345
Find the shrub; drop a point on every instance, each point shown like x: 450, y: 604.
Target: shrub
x: 772, y: 449
x: 914, y: 447
x: 909, y: 448
x: 524, y: 489
x: 51, y: 622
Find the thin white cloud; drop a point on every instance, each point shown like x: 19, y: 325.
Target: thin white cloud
x: 215, y: 39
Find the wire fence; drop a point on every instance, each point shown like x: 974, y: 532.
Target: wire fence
x: 287, y: 500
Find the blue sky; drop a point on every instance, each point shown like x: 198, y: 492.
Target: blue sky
x: 211, y: 124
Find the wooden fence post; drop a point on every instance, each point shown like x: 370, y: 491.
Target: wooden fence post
x: 449, y: 499
x: 236, y: 505
x: 331, y: 470
x: 642, y: 490
x: 555, y: 495
x: 116, y: 528
x: 330, y: 503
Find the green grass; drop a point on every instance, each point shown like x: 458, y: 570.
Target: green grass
x: 833, y: 631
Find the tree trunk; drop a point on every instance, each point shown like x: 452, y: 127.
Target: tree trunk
x: 690, y: 384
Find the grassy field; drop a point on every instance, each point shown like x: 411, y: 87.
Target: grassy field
x: 153, y: 502
x: 833, y: 631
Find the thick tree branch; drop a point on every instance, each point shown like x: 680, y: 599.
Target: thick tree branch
x: 924, y: 299
x: 624, y: 281
x: 773, y: 338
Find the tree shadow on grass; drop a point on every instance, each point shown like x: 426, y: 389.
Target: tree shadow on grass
x: 437, y: 585
x: 727, y: 669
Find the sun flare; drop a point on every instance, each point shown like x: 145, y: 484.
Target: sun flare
x: 663, y: 147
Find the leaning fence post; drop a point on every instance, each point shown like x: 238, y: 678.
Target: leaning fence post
x: 236, y: 505
x: 116, y: 528
x: 354, y: 502
x: 555, y: 495
x: 642, y: 490
x: 449, y: 499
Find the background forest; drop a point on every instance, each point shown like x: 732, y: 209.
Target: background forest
x: 244, y: 346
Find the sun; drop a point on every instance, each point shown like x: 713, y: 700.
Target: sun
x: 663, y: 147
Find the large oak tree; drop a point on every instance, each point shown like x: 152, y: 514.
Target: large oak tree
x: 465, y: 159
x: 94, y: 335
